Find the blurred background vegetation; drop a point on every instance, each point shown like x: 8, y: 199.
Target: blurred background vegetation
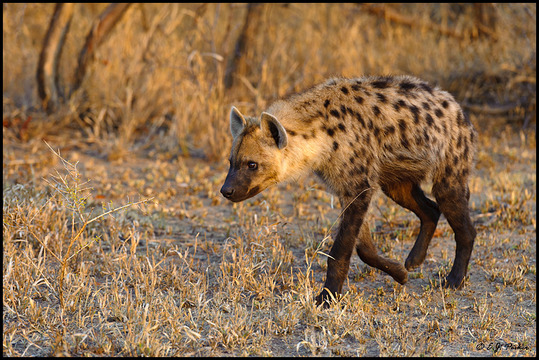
x: 163, y: 77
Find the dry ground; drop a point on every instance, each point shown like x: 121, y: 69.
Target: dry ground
x: 188, y: 273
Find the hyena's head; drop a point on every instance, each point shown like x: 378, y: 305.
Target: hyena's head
x: 256, y: 156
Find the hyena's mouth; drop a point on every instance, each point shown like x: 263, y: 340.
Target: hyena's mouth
x: 254, y: 191
x: 236, y: 196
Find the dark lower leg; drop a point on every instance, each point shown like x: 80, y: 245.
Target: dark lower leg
x: 429, y: 214
x: 411, y: 197
x: 464, y: 237
x: 454, y: 205
x: 369, y: 255
x: 341, y: 251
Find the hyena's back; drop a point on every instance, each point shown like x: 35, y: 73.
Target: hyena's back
x: 380, y: 130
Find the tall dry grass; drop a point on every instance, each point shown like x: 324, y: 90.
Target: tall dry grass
x: 159, y: 77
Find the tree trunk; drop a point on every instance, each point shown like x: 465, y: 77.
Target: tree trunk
x: 484, y: 20
x: 47, y: 68
x: 236, y: 62
x: 101, y: 28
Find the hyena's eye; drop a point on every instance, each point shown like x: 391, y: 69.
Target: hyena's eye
x: 252, y: 165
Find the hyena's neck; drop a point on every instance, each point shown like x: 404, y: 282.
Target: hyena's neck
x: 305, y: 150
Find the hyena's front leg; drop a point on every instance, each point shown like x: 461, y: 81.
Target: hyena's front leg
x: 369, y: 254
x: 343, y: 247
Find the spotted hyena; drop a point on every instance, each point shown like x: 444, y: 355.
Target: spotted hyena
x: 360, y: 135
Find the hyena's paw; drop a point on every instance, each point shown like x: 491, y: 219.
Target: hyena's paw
x: 402, y: 276
x: 453, y: 281
x: 414, y: 260
x: 324, y: 298
x: 397, y: 271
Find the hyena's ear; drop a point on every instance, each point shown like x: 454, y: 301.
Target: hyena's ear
x: 272, y: 127
x: 237, y: 122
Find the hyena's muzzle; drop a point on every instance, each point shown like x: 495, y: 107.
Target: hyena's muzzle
x: 238, y: 186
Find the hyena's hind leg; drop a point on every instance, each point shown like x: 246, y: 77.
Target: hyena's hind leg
x: 411, y: 197
x: 453, y: 202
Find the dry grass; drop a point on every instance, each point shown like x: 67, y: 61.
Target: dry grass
x: 189, y: 273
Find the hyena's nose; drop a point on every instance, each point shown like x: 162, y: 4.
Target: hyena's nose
x: 227, y: 191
